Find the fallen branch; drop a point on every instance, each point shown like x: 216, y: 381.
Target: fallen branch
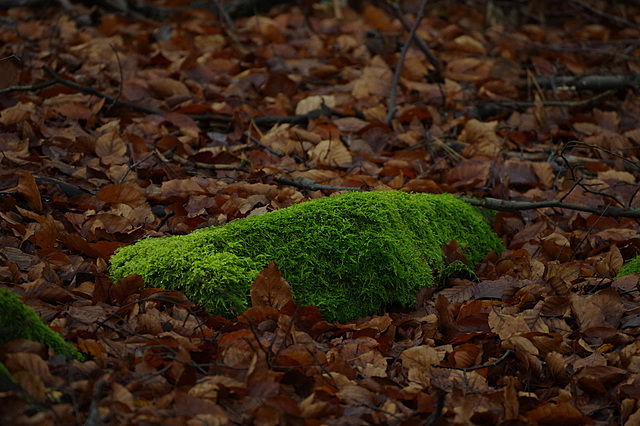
x: 310, y: 185
x: 512, y: 206
x: 489, y: 203
x: 596, y: 83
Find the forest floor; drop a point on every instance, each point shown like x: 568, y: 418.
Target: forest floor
x: 121, y: 124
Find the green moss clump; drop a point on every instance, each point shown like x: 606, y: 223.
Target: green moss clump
x: 349, y: 255
x: 630, y: 268
x: 18, y: 320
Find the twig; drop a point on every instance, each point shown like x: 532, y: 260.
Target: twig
x: 504, y: 356
x: 28, y: 87
x: 322, y: 367
x: 616, y: 19
x: 433, y: 60
x: 259, y: 143
x: 586, y: 46
x: 227, y: 24
x: 592, y: 82
x: 183, y: 161
x: 121, y: 82
x: 94, y: 416
x: 403, y: 53
x: 310, y: 185
x: 91, y: 91
x: 294, y: 119
x: 570, y: 104
x: 437, y: 413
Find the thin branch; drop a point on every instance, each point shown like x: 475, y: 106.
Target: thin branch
x: 569, y: 104
x: 512, y: 206
x: 94, y: 416
x: 259, y: 143
x: 403, y: 53
x: 91, y: 91
x: 613, y: 18
x: 294, y: 119
x: 310, y: 185
x: 433, y: 59
x: 28, y: 87
x: 504, y: 356
x: 183, y: 161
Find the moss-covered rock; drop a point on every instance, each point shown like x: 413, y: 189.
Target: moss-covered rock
x: 18, y: 320
x: 350, y: 255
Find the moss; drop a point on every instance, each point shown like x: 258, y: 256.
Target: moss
x: 630, y: 268
x: 18, y: 320
x: 5, y: 372
x: 349, y: 255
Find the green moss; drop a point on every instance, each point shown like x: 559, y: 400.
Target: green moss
x: 18, y: 320
x: 630, y: 268
x: 349, y: 255
x: 5, y: 372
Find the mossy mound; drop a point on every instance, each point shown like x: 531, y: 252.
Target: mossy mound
x: 18, y: 320
x: 630, y: 268
x: 349, y: 255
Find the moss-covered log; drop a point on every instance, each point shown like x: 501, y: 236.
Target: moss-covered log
x: 350, y: 255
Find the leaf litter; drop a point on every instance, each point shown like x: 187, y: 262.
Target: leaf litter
x: 161, y: 135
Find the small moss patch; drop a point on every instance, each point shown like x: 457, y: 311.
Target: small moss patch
x: 349, y: 255
x: 630, y: 268
x: 18, y: 320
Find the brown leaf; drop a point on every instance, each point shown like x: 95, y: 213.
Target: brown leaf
x: 561, y: 414
x: 557, y: 366
x: 448, y: 326
x: 557, y: 247
x: 452, y: 252
x: 626, y: 283
x: 610, y: 304
x: 511, y: 403
x: 270, y: 289
x: 586, y: 312
x: 118, y: 193
x: 167, y: 87
x: 27, y: 187
x: 613, y: 260
x: 465, y: 355
x: 48, y: 233
x: 9, y: 71
x: 506, y: 325
x: 481, y: 137
x: 330, y: 153
x: 126, y: 287
x: 110, y: 147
